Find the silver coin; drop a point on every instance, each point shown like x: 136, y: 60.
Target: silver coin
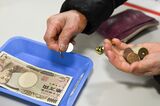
x: 70, y: 48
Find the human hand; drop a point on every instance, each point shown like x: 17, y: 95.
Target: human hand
x: 150, y: 65
x: 62, y: 28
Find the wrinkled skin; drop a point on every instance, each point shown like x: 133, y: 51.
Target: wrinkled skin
x: 62, y: 28
x: 149, y: 66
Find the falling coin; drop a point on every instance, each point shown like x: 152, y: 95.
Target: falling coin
x: 132, y: 57
x: 142, y: 52
x: 70, y: 48
x: 27, y: 79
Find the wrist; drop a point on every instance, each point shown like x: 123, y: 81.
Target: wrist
x: 82, y: 19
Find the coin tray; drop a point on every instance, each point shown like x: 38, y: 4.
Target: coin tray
x: 36, y: 53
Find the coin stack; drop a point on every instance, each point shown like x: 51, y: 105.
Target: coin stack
x: 134, y: 54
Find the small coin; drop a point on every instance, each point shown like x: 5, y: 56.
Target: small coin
x: 126, y: 52
x: 132, y: 57
x: 142, y: 52
x: 69, y: 49
x: 100, y: 50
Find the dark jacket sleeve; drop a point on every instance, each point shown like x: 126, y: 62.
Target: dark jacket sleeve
x: 157, y: 78
x: 96, y: 11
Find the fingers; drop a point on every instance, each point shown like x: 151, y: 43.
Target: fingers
x: 61, y: 29
x: 119, y: 44
x: 147, y: 66
x: 137, y: 68
x: 73, y: 26
x: 50, y: 38
x: 115, y: 58
x: 140, y: 68
x: 116, y: 45
x: 68, y: 32
x: 118, y: 61
x: 53, y: 29
x: 58, y: 35
x: 107, y: 44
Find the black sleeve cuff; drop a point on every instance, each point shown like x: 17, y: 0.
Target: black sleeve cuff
x: 119, y: 2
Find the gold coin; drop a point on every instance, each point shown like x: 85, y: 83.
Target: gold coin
x: 142, y: 52
x: 132, y: 57
x: 100, y: 50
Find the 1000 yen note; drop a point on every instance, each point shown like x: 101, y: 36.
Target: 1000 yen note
x: 31, y: 81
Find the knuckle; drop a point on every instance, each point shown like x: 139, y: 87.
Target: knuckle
x: 55, y: 22
x: 65, y: 39
x: 52, y: 21
x: 72, y: 29
x: 76, y: 14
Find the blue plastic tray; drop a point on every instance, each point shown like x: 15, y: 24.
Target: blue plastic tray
x: 36, y: 53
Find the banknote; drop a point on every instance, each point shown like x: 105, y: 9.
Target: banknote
x: 31, y: 81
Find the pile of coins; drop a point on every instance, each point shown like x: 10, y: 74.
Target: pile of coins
x: 131, y: 55
x: 134, y: 54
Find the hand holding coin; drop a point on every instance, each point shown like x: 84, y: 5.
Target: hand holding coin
x: 69, y: 49
x: 134, y: 54
x: 142, y: 59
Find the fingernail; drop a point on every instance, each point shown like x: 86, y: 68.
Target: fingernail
x: 63, y: 47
